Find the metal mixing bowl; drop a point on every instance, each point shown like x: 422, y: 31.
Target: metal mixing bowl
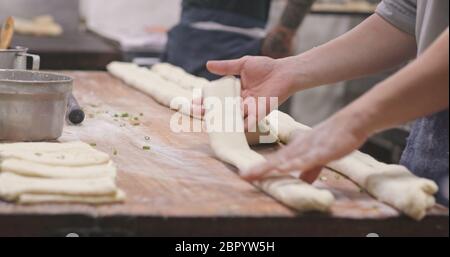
x: 32, y: 105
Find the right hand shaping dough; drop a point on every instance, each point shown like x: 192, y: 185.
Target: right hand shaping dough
x: 310, y: 150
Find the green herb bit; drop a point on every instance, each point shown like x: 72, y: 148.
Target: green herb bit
x: 125, y: 115
x: 114, y: 152
x: 146, y: 148
x: 93, y: 144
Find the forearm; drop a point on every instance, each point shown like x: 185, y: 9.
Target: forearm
x: 294, y: 14
x: 373, y: 46
x: 278, y: 43
x: 418, y: 90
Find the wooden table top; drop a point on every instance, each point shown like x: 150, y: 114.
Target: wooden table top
x: 179, y: 188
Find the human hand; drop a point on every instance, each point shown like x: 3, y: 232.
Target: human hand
x: 310, y: 151
x: 261, y: 77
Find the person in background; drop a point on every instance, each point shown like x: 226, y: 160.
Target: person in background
x: 229, y: 29
x: 400, y: 31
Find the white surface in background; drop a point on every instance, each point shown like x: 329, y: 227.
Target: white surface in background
x: 129, y: 22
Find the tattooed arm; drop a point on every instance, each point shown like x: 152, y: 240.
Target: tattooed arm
x: 278, y: 43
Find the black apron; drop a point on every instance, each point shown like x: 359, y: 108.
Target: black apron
x: 192, y: 48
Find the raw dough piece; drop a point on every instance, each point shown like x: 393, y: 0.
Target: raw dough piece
x: 95, y: 200
x: 232, y: 147
x: 179, y: 76
x: 74, y: 154
x: 12, y: 186
x: 34, y: 169
x: 39, y: 26
x: 391, y: 184
x: 48, y: 147
x: 283, y: 125
x: 57, y: 172
x: 164, y: 92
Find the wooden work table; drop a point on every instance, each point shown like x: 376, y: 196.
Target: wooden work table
x: 178, y: 188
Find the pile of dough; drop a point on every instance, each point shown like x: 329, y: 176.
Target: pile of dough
x: 232, y: 147
x: 57, y: 173
x: 391, y: 184
x: 40, y: 26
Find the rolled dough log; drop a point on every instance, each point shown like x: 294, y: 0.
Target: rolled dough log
x: 232, y: 147
x: 12, y: 186
x: 164, y: 92
x: 179, y: 76
x: 392, y: 184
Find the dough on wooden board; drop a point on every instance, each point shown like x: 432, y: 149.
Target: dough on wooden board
x: 12, y: 186
x: 35, y: 169
x: 33, y: 173
x: 232, y: 147
x: 391, y: 184
x: 119, y: 196
x: 72, y: 154
x: 179, y: 76
x: 163, y: 91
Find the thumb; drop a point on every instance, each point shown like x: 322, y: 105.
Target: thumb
x: 224, y: 68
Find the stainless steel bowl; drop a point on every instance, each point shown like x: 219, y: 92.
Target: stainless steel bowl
x: 32, y: 105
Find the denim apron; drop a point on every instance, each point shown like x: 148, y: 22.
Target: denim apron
x: 426, y: 154
x: 190, y: 48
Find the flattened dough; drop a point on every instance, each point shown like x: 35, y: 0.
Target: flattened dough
x: 12, y: 186
x: 73, y: 154
x: 232, y: 147
x: 34, y: 169
x: 392, y: 184
x: 94, y: 200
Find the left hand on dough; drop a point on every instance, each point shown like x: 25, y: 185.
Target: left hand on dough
x: 311, y: 150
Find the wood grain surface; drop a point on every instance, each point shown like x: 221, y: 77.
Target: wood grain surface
x: 177, y: 187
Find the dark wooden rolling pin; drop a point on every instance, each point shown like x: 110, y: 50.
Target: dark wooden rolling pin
x: 74, y: 115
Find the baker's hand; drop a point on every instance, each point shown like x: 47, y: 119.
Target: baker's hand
x: 278, y: 43
x: 261, y: 77
x: 312, y: 150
